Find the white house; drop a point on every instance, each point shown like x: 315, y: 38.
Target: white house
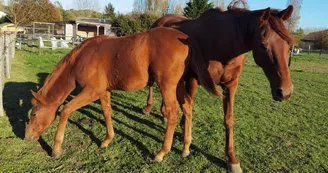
x: 2, y: 14
x: 86, y: 28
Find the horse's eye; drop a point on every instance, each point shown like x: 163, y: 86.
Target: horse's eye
x: 263, y: 47
x: 33, y: 115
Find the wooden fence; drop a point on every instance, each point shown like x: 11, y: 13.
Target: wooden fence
x: 7, y: 53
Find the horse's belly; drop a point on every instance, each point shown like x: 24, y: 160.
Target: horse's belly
x: 129, y: 81
x: 132, y: 84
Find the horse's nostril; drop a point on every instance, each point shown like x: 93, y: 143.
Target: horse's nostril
x: 279, y: 93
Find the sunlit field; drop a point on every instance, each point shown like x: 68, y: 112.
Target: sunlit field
x: 269, y: 136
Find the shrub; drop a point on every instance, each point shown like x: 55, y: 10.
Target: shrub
x: 124, y: 25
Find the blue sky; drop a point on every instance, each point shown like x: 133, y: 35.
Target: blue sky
x: 314, y: 13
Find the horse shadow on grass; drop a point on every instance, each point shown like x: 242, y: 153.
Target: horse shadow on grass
x: 17, y: 103
x: 119, y: 105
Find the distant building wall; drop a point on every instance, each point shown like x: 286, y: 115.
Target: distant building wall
x: 69, y: 31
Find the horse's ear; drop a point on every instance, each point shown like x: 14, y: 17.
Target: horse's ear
x: 286, y: 13
x: 265, y: 15
x: 34, y: 102
x: 36, y: 95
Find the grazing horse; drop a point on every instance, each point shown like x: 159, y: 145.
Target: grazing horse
x: 223, y: 37
x: 102, y: 64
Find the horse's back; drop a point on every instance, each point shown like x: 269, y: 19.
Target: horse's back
x: 124, y: 63
x: 168, y: 51
x: 113, y: 63
x: 168, y: 20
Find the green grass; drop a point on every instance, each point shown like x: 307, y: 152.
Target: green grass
x: 269, y: 136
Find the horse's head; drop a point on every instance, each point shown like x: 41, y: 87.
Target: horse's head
x: 271, y: 51
x: 41, y: 117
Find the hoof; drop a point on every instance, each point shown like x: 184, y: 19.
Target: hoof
x: 185, y: 154
x: 165, y: 120
x: 158, y: 159
x: 56, y: 154
x: 103, y: 146
x: 235, y: 168
x: 145, y: 112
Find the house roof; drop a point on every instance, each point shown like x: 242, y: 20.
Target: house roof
x: 95, y: 20
x: 89, y: 23
x: 92, y: 22
x: 315, y: 35
x: 5, y: 24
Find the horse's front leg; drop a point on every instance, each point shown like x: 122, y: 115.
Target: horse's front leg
x: 228, y: 103
x: 84, y: 98
x: 107, y: 110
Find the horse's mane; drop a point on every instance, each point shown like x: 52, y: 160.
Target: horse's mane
x: 274, y: 21
x: 69, y: 59
x: 279, y: 27
x: 211, y: 11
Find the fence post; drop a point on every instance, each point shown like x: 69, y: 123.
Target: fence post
x: 290, y: 55
x: 6, y: 56
x: 7, y: 52
x: 2, y: 59
x: 1, y: 89
x: 39, y: 45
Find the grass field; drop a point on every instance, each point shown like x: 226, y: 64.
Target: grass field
x: 269, y: 136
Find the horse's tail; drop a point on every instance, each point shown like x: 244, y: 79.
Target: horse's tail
x: 199, y: 67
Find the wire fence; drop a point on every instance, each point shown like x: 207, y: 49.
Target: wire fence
x: 7, y: 53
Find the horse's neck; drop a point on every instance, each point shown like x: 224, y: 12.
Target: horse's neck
x: 59, y: 84
x: 186, y: 26
x: 244, y: 32
x: 234, y: 29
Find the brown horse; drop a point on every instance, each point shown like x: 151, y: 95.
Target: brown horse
x: 223, y: 37
x: 102, y: 64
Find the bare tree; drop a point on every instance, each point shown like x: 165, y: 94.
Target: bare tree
x: 293, y: 21
x: 158, y: 7
x: 308, y: 30
x: 139, y: 6
x: 26, y: 11
x: 238, y: 4
x: 162, y: 7
x: 176, y: 6
x: 2, y: 5
x: 219, y: 3
x: 88, y: 6
x: 21, y: 12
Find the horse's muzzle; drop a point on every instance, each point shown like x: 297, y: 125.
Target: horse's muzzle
x: 279, y: 95
x: 31, y: 137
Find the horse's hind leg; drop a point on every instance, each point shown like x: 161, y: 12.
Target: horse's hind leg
x: 147, y: 108
x: 191, y: 85
x: 87, y: 96
x: 170, y: 110
x: 107, y: 110
x: 185, y: 95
